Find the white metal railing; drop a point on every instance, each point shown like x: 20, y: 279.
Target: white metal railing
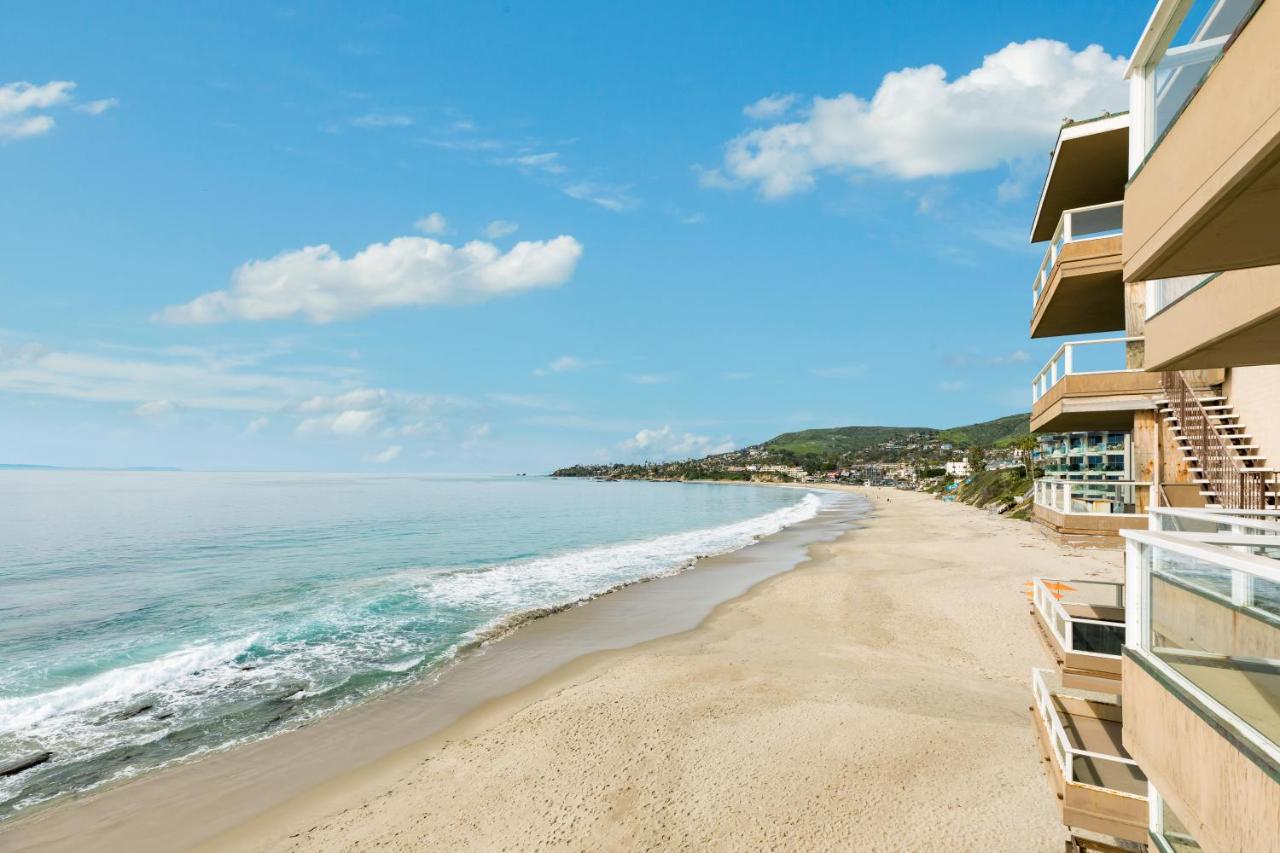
x: 1066, y: 360
x: 1221, y: 652
x: 1062, y: 625
x: 1260, y: 522
x: 1079, y: 223
x: 1107, y: 497
x: 1064, y: 753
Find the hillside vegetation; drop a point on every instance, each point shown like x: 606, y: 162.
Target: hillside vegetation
x: 838, y: 441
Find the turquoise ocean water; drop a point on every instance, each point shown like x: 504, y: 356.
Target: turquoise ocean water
x: 147, y: 617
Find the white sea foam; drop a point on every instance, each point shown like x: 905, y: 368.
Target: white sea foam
x: 510, y: 588
x: 116, y: 685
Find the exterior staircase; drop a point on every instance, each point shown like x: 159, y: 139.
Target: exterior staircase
x: 1218, y: 449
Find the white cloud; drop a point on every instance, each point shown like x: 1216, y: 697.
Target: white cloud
x: 500, y: 228
x: 650, y: 378
x: 771, y: 106
x: 362, y: 411
x: 98, y: 107
x: 157, y: 409
x: 666, y: 443
x: 377, y: 120
x: 846, y: 371
x: 391, y: 454
x: 563, y: 364
x: 432, y: 223
x: 918, y: 123
x: 953, y: 386
x: 257, y: 424
x: 187, y: 376
x: 19, y: 102
x: 321, y: 285
x: 610, y: 198
x: 545, y: 161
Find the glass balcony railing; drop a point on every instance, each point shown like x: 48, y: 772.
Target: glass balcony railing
x: 1102, y: 355
x: 1081, y: 223
x: 1206, y: 614
x: 1092, y: 496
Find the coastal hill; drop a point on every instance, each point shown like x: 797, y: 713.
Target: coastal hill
x: 1000, y: 432
x: 816, y: 450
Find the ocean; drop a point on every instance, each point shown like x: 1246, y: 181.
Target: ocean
x: 149, y: 617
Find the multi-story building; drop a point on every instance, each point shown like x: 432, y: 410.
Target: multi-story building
x: 1185, y: 754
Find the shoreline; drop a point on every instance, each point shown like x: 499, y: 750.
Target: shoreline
x: 167, y: 808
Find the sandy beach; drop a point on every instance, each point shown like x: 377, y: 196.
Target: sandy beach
x: 873, y: 698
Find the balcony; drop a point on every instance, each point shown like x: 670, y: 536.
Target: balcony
x: 1201, y: 675
x: 1099, y: 787
x: 1082, y: 623
x: 1207, y: 197
x: 1078, y: 288
x: 1092, y: 507
x: 1085, y: 386
x: 1229, y: 320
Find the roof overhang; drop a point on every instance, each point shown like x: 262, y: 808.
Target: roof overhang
x: 1090, y: 165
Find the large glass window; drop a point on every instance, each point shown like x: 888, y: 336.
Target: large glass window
x: 1199, y: 41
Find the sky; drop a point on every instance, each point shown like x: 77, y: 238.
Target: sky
x: 494, y: 237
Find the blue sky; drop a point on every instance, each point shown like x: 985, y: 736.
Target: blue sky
x: 494, y: 237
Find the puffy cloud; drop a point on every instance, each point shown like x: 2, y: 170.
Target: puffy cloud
x: 918, y: 123
x: 318, y: 283
x: 432, y: 223
x: 499, y: 228
x: 649, y: 378
x: 19, y: 102
x: 257, y: 424
x: 771, y: 106
x: 666, y: 443
x: 391, y: 454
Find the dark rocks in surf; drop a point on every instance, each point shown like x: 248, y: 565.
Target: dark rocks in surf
x: 24, y: 762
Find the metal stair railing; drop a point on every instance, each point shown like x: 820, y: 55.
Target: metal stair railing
x: 1234, y: 485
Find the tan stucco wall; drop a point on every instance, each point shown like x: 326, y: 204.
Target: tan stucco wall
x: 1227, y: 801
x: 1204, y: 200
x: 1255, y: 394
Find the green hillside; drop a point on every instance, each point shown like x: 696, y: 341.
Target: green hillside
x: 997, y: 433
x: 838, y: 440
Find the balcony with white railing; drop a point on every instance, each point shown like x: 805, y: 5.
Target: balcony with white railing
x: 1099, y: 787
x: 1208, y: 616
x: 1082, y: 623
x: 1078, y: 288
x: 1202, y: 671
x: 1087, y: 385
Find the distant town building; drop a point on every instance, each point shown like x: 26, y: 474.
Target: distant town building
x: 959, y: 468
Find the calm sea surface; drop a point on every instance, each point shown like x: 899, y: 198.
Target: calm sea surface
x: 147, y: 617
